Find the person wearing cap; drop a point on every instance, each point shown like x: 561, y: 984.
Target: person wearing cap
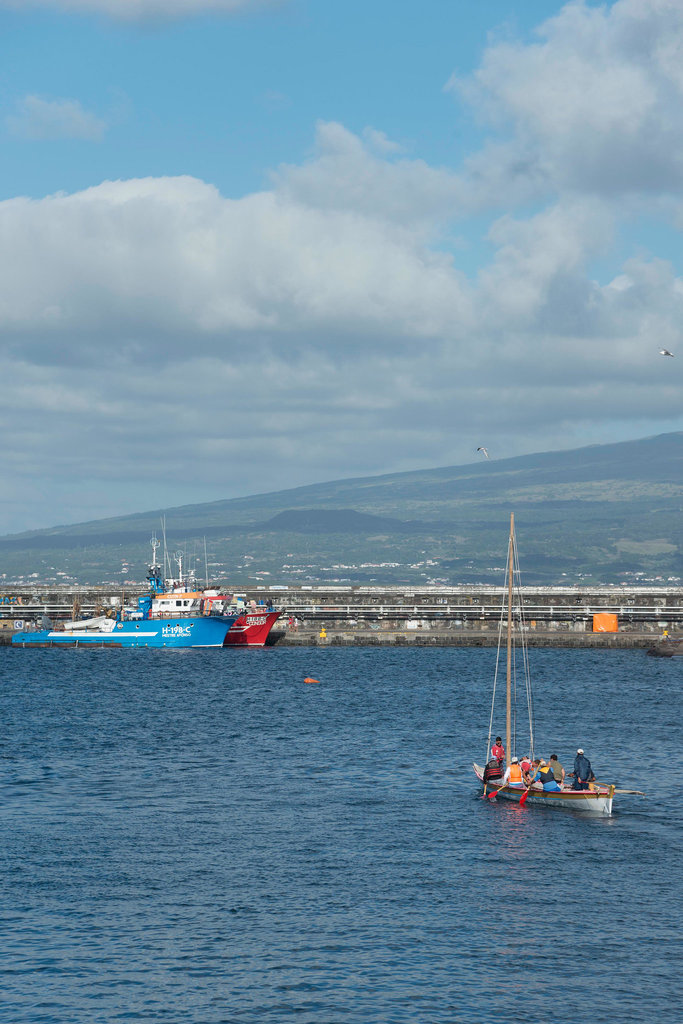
x: 513, y: 774
x: 583, y: 773
x: 498, y: 750
x: 525, y: 765
x: 544, y: 775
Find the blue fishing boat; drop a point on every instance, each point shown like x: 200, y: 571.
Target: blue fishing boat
x: 179, y: 618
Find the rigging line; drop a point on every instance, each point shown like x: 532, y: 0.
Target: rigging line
x: 515, y: 644
x: 501, y: 625
x: 514, y: 695
x: 530, y: 701
x: 525, y: 647
x: 520, y: 613
x: 514, y: 704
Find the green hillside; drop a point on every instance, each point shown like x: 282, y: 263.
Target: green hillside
x: 605, y: 513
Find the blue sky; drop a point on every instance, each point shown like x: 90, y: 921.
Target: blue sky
x: 229, y: 98
x: 249, y: 245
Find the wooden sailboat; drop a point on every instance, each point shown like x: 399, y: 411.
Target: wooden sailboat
x: 598, y: 799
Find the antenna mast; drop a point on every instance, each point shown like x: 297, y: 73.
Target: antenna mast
x: 155, y: 544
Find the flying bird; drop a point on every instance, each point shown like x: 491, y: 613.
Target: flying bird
x: 665, y: 352
x: 486, y: 454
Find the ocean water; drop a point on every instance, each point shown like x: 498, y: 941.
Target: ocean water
x: 200, y: 836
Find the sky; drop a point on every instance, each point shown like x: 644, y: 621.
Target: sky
x: 248, y: 245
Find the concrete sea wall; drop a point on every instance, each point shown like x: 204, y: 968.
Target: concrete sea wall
x: 450, y: 616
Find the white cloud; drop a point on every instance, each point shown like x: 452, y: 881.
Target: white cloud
x: 140, y: 9
x: 595, y: 104
x: 539, y: 271
x: 363, y: 175
x: 172, y: 255
x: 310, y: 327
x: 38, y: 118
x: 320, y: 328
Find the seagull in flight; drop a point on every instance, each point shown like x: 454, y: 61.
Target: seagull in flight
x: 665, y: 352
x: 486, y: 454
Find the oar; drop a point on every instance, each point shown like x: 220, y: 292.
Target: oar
x: 632, y: 792
x: 524, y: 796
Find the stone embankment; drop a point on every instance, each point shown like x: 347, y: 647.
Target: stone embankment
x: 440, y: 638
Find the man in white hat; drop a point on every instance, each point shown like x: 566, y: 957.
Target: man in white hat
x: 583, y: 773
x: 513, y: 774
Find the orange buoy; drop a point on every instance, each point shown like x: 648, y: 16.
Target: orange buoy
x: 309, y: 680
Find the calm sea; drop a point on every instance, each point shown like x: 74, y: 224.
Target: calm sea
x: 201, y: 837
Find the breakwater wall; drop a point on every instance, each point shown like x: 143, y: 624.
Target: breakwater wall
x: 356, y: 637
x: 467, y: 616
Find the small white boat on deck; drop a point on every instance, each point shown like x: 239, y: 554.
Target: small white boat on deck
x: 597, y: 798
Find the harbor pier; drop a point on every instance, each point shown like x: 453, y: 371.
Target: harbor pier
x: 428, y: 616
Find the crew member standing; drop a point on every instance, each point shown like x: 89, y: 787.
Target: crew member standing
x: 583, y: 773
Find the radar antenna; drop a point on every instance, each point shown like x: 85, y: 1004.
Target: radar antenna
x: 155, y: 544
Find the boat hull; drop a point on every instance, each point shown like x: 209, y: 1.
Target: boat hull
x: 597, y: 801
x: 209, y: 631
x: 251, y: 629
x: 666, y: 649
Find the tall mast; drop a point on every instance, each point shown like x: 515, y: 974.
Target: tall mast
x: 206, y: 565
x: 508, y: 714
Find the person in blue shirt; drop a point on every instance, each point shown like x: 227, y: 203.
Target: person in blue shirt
x: 545, y: 775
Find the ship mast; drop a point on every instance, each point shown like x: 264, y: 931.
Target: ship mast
x: 508, y: 711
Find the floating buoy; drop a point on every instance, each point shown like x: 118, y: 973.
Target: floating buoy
x: 309, y: 680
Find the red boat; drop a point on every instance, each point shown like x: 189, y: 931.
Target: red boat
x: 251, y: 629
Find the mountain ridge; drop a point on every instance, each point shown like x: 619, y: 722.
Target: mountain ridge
x: 592, y: 506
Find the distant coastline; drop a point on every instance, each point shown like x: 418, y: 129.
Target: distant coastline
x: 600, y: 515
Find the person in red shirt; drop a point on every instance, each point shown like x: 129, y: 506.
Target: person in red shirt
x: 498, y: 750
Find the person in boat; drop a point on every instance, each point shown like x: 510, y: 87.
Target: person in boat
x: 533, y: 764
x: 558, y: 770
x: 544, y: 774
x: 498, y: 750
x: 513, y: 774
x: 583, y: 773
x: 493, y: 772
x: 525, y: 765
